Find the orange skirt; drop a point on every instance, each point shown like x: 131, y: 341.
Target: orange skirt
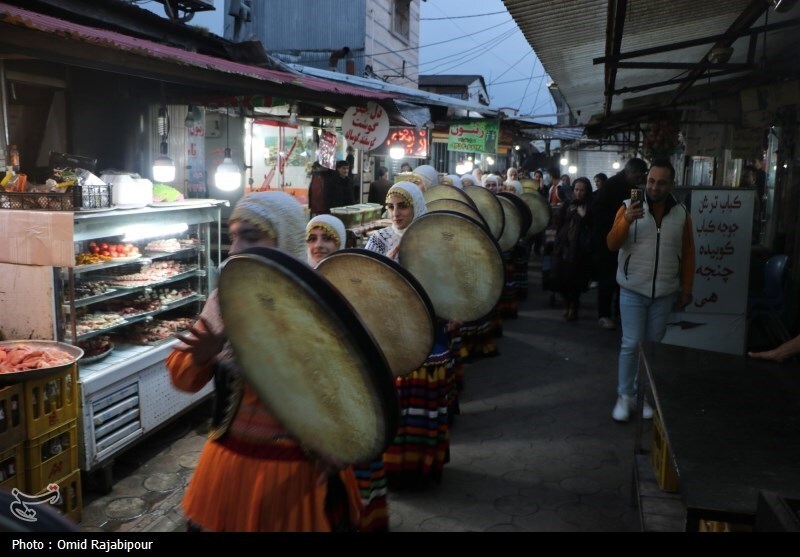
x: 235, y: 492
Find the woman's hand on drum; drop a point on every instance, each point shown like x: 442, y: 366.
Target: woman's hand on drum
x: 200, y: 341
x: 392, y: 253
x: 453, y: 325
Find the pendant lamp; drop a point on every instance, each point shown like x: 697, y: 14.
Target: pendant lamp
x: 163, y: 166
x: 228, y: 176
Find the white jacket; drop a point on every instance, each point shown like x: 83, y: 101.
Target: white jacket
x: 650, y: 259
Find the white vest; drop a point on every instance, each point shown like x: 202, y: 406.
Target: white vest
x: 649, y: 261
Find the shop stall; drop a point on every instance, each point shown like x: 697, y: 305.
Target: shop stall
x: 118, y: 284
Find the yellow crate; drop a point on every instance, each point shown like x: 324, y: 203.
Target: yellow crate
x: 51, y: 401
x: 70, y: 501
x: 662, y: 458
x: 12, y: 468
x: 51, y: 456
x: 12, y: 416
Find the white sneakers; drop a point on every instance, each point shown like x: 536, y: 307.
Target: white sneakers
x: 606, y: 323
x: 624, y: 405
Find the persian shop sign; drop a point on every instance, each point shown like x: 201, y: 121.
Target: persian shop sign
x: 479, y: 136
x: 365, y: 128
x: 415, y: 142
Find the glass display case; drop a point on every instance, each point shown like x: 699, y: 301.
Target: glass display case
x: 139, y: 277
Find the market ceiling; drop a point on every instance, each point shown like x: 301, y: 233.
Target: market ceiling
x: 618, y: 61
x: 37, y: 35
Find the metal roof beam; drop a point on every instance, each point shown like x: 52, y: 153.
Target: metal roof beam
x: 682, y: 66
x: 615, y: 24
x: 754, y: 10
x: 674, y: 81
x: 754, y: 31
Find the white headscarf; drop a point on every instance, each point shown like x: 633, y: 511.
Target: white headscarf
x: 279, y: 215
x: 452, y: 180
x: 491, y: 178
x: 333, y: 226
x: 473, y: 181
x: 516, y: 184
x: 386, y: 239
x: 429, y: 175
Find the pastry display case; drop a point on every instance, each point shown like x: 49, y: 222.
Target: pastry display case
x: 132, y: 279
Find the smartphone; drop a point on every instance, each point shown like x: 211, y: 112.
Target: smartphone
x: 635, y: 193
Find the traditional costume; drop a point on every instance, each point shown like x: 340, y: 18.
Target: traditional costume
x: 252, y: 474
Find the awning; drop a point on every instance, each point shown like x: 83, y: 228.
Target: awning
x: 619, y: 57
x: 41, y: 36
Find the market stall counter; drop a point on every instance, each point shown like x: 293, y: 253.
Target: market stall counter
x: 118, y: 284
x: 732, y: 426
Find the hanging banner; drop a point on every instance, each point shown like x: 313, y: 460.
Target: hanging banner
x: 365, y: 128
x: 415, y: 142
x: 475, y: 136
x: 196, y: 159
x: 326, y: 155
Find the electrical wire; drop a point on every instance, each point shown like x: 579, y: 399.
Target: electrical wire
x: 461, y: 16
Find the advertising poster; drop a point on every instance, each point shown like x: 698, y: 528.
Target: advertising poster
x: 474, y: 136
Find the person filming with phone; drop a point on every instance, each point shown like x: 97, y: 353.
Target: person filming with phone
x: 654, y: 235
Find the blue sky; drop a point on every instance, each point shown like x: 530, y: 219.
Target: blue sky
x: 489, y: 44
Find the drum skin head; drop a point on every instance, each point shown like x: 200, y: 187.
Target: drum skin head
x: 457, y: 262
x: 455, y: 206
x: 308, y: 355
x: 489, y: 208
x: 390, y: 301
x: 522, y: 207
x: 442, y: 191
x: 511, y: 231
x: 540, y: 212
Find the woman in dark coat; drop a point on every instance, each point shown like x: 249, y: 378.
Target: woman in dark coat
x: 572, y: 257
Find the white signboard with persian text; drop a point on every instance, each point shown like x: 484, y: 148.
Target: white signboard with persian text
x: 722, y: 219
x: 365, y: 128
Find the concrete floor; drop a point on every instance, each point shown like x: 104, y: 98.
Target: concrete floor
x: 533, y: 449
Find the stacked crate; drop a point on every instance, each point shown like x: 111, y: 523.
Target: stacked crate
x: 662, y: 458
x: 12, y: 438
x: 51, y: 448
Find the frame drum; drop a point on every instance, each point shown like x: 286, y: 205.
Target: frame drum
x: 540, y: 211
x: 524, y: 211
x: 390, y: 302
x: 457, y: 262
x: 489, y: 208
x: 511, y: 231
x: 529, y: 185
x: 455, y: 206
x: 442, y: 191
x: 308, y: 355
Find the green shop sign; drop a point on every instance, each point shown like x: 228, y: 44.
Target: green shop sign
x: 478, y: 136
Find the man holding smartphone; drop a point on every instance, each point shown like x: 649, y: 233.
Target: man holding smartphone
x: 655, y: 272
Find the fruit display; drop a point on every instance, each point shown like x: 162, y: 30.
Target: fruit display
x: 98, y: 252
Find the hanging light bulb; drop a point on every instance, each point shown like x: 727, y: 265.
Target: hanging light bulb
x: 163, y: 166
x: 189, y: 121
x: 397, y: 151
x: 228, y: 176
x: 615, y: 165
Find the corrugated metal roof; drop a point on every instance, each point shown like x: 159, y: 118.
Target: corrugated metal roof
x: 11, y: 15
x: 568, y: 36
x: 407, y: 93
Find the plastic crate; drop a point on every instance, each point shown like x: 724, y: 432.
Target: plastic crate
x: 12, y: 468
x: 50, y: 402
x: 74, y: 199
x: 51, y: 456
x: 662, y: 458
x: 70, y: 500
x: 12, y: 416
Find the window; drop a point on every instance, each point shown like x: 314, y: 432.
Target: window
x: 401, y: 16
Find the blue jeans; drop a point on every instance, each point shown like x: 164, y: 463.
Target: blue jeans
x: 643, y: 318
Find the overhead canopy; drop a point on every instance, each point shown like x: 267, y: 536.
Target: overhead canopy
x: 618, y: 60
x: 26, y: 33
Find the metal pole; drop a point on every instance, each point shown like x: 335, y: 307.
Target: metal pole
x: 3, y: 101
